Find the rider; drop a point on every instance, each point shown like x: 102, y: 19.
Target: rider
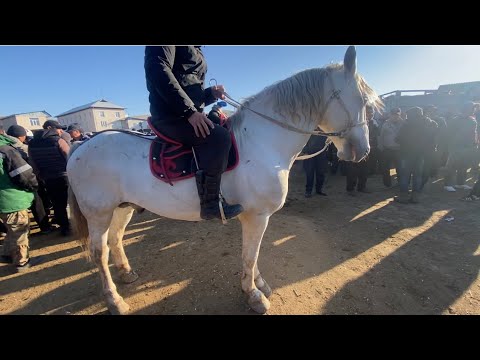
x: 175, y: 80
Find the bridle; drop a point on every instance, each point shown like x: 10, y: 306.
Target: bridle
x: 335, y: 95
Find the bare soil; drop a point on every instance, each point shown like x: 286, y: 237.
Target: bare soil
x: 324, y: 255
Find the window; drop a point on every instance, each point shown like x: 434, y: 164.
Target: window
x: 34, y: 122
x: 102, y: 114
x: 117, y: 115
x: 104, y: 123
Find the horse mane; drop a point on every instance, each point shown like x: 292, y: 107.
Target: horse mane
x: 298, y: 96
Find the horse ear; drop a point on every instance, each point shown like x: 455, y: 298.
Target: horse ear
x: 350, y: 61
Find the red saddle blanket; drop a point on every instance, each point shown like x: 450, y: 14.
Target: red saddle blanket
x: 172, y: 161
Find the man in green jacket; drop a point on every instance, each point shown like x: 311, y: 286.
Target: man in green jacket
x: 17, y: 184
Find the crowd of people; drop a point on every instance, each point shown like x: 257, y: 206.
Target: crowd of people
x: 33, y: 177
x: 416, y: 144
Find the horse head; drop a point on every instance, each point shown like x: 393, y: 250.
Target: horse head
x: 346, y: 95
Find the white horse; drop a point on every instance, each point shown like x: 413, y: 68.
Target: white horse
x: 270, y: 129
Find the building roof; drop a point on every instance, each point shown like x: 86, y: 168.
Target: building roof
x: 28, y: 112
x: 102, y: 104
x: 137, y: 117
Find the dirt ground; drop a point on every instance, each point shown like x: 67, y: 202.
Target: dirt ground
x: 324, y: 255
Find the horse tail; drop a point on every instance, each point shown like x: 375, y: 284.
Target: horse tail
x: 79, y: 223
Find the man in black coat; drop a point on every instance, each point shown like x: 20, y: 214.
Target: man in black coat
x: 316, y: 166
x: 48, y: 153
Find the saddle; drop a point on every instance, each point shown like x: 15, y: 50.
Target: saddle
x: 172, y: 161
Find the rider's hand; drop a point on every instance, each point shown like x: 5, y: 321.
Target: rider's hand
x: 200, y: 124
x: 218, y: 92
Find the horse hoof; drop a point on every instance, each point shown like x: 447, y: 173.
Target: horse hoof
x: 258, y: 302
x: 265, y: 289
x: 130, y: 277
x: 118, y: 308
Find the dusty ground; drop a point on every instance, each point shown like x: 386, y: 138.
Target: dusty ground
x: 333, y: 255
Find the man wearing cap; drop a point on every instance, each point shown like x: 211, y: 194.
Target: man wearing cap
x: 48, y: 154
x: 19, y: 134
x: 76, y: 132
x: 17, y: 184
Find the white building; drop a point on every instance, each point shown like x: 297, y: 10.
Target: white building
x: 30, y: 120
x: 96, y: 116
x: 135, y: 122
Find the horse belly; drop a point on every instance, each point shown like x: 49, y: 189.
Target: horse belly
x: 111, y: 170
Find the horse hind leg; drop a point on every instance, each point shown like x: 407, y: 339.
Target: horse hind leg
x: 98, y: 227
x: 120, y: 220
x: 253, y: 228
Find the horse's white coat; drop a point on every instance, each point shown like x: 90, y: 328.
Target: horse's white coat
x: 112, y: 168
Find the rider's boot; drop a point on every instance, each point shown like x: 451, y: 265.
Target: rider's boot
x: 209, y: 189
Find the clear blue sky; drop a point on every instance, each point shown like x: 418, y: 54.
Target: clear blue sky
x: 58, y: 78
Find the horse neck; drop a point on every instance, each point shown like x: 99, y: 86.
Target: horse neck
x: 262, y: 138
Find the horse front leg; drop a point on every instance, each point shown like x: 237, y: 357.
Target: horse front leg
x: 261, y: 283
x: 253, y: 228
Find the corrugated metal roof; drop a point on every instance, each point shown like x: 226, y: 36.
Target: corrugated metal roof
x: 96, y: 104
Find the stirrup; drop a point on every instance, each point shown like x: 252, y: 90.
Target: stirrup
x: 220, y: 206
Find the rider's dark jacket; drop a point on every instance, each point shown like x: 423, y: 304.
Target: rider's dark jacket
x: 175, y: 76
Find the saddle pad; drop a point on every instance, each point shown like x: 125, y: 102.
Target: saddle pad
x: 172, y: 161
